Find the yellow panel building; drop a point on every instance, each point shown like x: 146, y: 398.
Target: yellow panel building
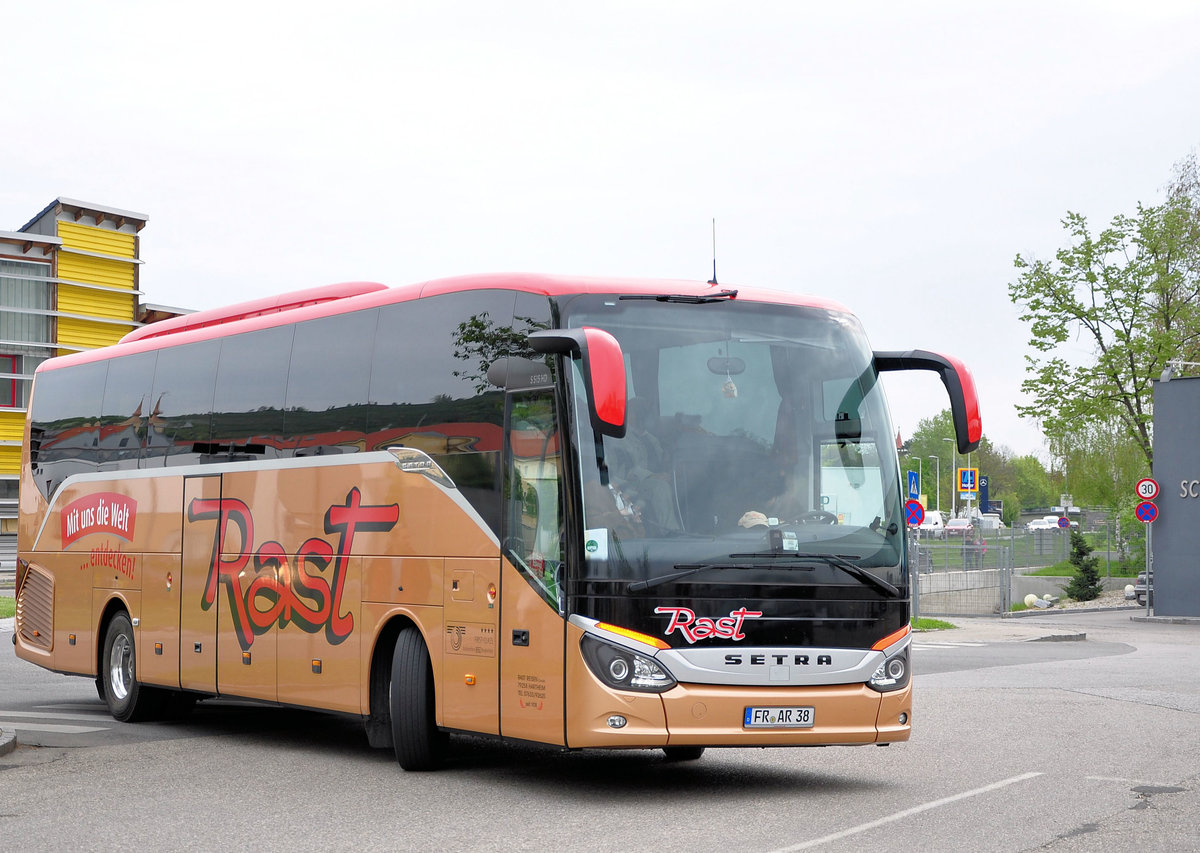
x: 69, y: 281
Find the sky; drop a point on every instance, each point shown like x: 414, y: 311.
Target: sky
x: 895, y: 157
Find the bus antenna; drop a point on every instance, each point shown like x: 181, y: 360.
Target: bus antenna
x: 713, y: 280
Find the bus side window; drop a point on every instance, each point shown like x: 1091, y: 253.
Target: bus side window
x: 325, y: 410
x: 126, y: 411
x: 533, y: 494
x: 65, y: 428
x: 181, y: 404
x: 248, y: 406
x: 429, y: 388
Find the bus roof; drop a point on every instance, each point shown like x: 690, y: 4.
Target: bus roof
x: 310, y: 303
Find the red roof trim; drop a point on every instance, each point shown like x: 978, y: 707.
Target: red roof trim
x: 353, y: 296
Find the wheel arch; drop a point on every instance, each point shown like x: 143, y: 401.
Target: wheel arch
x: 379, y: 716
x: 115, y: 604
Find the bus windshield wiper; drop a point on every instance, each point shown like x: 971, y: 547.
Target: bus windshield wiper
x: 686, y: 298
x: 857, y: 571
x: 684, y: 571
x: 838, y: 562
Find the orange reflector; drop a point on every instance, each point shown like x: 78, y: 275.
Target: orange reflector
x: 246, y: 658
x: 316, y: 666
x: 158, y: 648
x: 892, y: 638
x: 469, y: 680
x: 71, y: 639
x: 657, y: 642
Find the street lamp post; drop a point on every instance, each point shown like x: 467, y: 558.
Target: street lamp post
x: 938, y: 477
x: 954, y: 474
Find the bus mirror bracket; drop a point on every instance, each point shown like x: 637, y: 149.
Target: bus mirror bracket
x: 960, y: 385
x: 603, y: 370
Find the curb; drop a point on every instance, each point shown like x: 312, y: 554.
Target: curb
x: 1049, y: 611
x: 1059, y: 638
x: 8, y: 741
x: 1168, y: 620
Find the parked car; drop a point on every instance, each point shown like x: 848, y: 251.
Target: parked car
x: 1140, y: 589
x: 1046, y: 522
x: 960, y: 527
x: 933, y: 526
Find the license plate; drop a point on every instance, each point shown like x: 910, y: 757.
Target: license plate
x: 792, y: 717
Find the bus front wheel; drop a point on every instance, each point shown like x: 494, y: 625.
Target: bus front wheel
x: 128, y: 701
x: 415, y: 736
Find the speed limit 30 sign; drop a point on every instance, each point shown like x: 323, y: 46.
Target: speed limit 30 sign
x: 1147, y: 489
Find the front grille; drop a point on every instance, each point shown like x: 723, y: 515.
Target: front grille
x: 35, y: 609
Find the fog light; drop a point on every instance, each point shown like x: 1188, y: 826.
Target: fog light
x: 616, y: 721
x: 903, y: 718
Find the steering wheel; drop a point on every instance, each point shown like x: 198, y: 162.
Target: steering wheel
x: 818, y: 516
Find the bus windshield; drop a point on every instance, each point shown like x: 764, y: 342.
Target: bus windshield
x: 757, y: 438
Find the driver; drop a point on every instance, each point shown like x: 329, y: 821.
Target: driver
x: 635, y: 463
x: 788, y: 505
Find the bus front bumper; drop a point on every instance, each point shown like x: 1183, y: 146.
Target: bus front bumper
x: 712, y: 715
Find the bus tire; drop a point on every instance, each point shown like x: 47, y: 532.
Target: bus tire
x: 128, y: 701
x: 682, y: 753
x: 415, y: 737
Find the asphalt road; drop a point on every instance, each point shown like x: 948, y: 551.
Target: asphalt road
x: 1075, y: 745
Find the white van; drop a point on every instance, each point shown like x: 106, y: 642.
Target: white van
x: 934, y: 525
x: 990, y: 521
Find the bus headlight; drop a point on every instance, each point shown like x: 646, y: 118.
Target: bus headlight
x: 623, y: 669
x: 892, y: 674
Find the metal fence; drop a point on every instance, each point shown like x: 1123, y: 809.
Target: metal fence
x: 974, y: 576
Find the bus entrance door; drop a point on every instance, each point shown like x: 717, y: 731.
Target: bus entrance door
x: 197, y: 617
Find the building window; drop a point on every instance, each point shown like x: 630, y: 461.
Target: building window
x: 8, y: 383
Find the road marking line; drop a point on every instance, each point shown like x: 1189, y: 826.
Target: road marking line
x: 948, y: 645
x: 1117, y: 779
x: 892, y: 818
x: 57, y: 729
x: 41, y: 715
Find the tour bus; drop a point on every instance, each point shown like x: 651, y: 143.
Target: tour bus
x: 586, y: 513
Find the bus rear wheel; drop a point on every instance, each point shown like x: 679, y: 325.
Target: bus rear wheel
x: 415, y: 736
x: 128, y: 701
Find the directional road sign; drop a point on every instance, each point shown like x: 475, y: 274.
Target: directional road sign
x: 914, y: 513
x: 1146, y: 512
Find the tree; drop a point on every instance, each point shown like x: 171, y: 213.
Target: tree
x: 1021, y: 482
x: 1085, y: 585
x: 1132, y: 295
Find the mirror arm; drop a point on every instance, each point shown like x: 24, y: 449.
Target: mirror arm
x: 603, y: 369
x: 964, y: 403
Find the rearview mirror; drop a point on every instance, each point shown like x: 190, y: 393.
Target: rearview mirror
x: 603, y: 371
x: 960, y: 385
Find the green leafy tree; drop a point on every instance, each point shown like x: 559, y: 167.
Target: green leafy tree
x: 1033, y: 485
x: 1085, y: 585
x: 1022, y: 482
x: 1131, y: 294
